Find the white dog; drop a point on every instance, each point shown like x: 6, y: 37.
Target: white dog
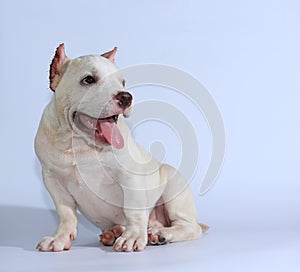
x: 91, y: 163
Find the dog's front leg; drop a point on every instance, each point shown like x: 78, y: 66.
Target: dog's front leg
x: 66, y: 209
x: 135, y: 237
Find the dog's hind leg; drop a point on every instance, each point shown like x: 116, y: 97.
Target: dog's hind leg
x: 179, y: 211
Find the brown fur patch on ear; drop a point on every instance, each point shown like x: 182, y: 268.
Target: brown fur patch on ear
x: 57, y: 66
x: 110, y: 54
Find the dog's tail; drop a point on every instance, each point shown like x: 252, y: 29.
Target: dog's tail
x: 204, y: 228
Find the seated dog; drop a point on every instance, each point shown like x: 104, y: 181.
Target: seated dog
x: 90, y: 162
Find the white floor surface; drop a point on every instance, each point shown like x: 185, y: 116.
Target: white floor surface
x: 217, y: 250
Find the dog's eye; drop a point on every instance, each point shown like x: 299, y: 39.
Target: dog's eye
x: 123, y: 83
x: 88, y: 80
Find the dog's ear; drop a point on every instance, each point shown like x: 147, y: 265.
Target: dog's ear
x: 110, y: 55
x: 57, y: 66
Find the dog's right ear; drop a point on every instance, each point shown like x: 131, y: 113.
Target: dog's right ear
x: 57, y: 66
x: 110, y: 55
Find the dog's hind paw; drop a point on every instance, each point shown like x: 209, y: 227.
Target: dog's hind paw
x: 109, y: 236
x: 155, y: 238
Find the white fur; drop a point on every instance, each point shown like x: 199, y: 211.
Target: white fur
x: 109, y: 186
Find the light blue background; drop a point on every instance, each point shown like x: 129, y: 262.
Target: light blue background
x: 245, y: 52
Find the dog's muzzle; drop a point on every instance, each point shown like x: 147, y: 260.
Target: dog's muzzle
x: 104, y: 131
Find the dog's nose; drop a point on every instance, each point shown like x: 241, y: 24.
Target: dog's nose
x: 124, y: 99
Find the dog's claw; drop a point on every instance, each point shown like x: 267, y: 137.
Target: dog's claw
x: 162, y: 240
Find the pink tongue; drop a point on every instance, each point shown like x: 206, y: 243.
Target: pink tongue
x: 89, y: 122
x: 112, y: 134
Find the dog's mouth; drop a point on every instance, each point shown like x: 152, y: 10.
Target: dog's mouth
x: 101, y: 130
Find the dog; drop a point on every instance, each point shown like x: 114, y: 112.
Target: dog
x: 91, y: 163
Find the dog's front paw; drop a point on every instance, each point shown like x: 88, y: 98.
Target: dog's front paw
x: 56, y: 243
x: 131, y: 240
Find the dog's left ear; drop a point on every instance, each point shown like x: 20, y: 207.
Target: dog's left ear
x: 110, y: 55
x: 58, y: 66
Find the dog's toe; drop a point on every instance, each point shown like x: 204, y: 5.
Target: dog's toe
x: 55, y: 244
x: 46, y: 244
x: 156, y: 239
x: 109, y: 236
x: 133, y: 242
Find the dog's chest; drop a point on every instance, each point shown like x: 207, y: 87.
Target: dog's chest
x: 89, y: 176
x: 97, y: 194
x: 93, y: 186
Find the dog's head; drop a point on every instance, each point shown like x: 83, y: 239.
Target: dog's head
x: 90, y: 95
